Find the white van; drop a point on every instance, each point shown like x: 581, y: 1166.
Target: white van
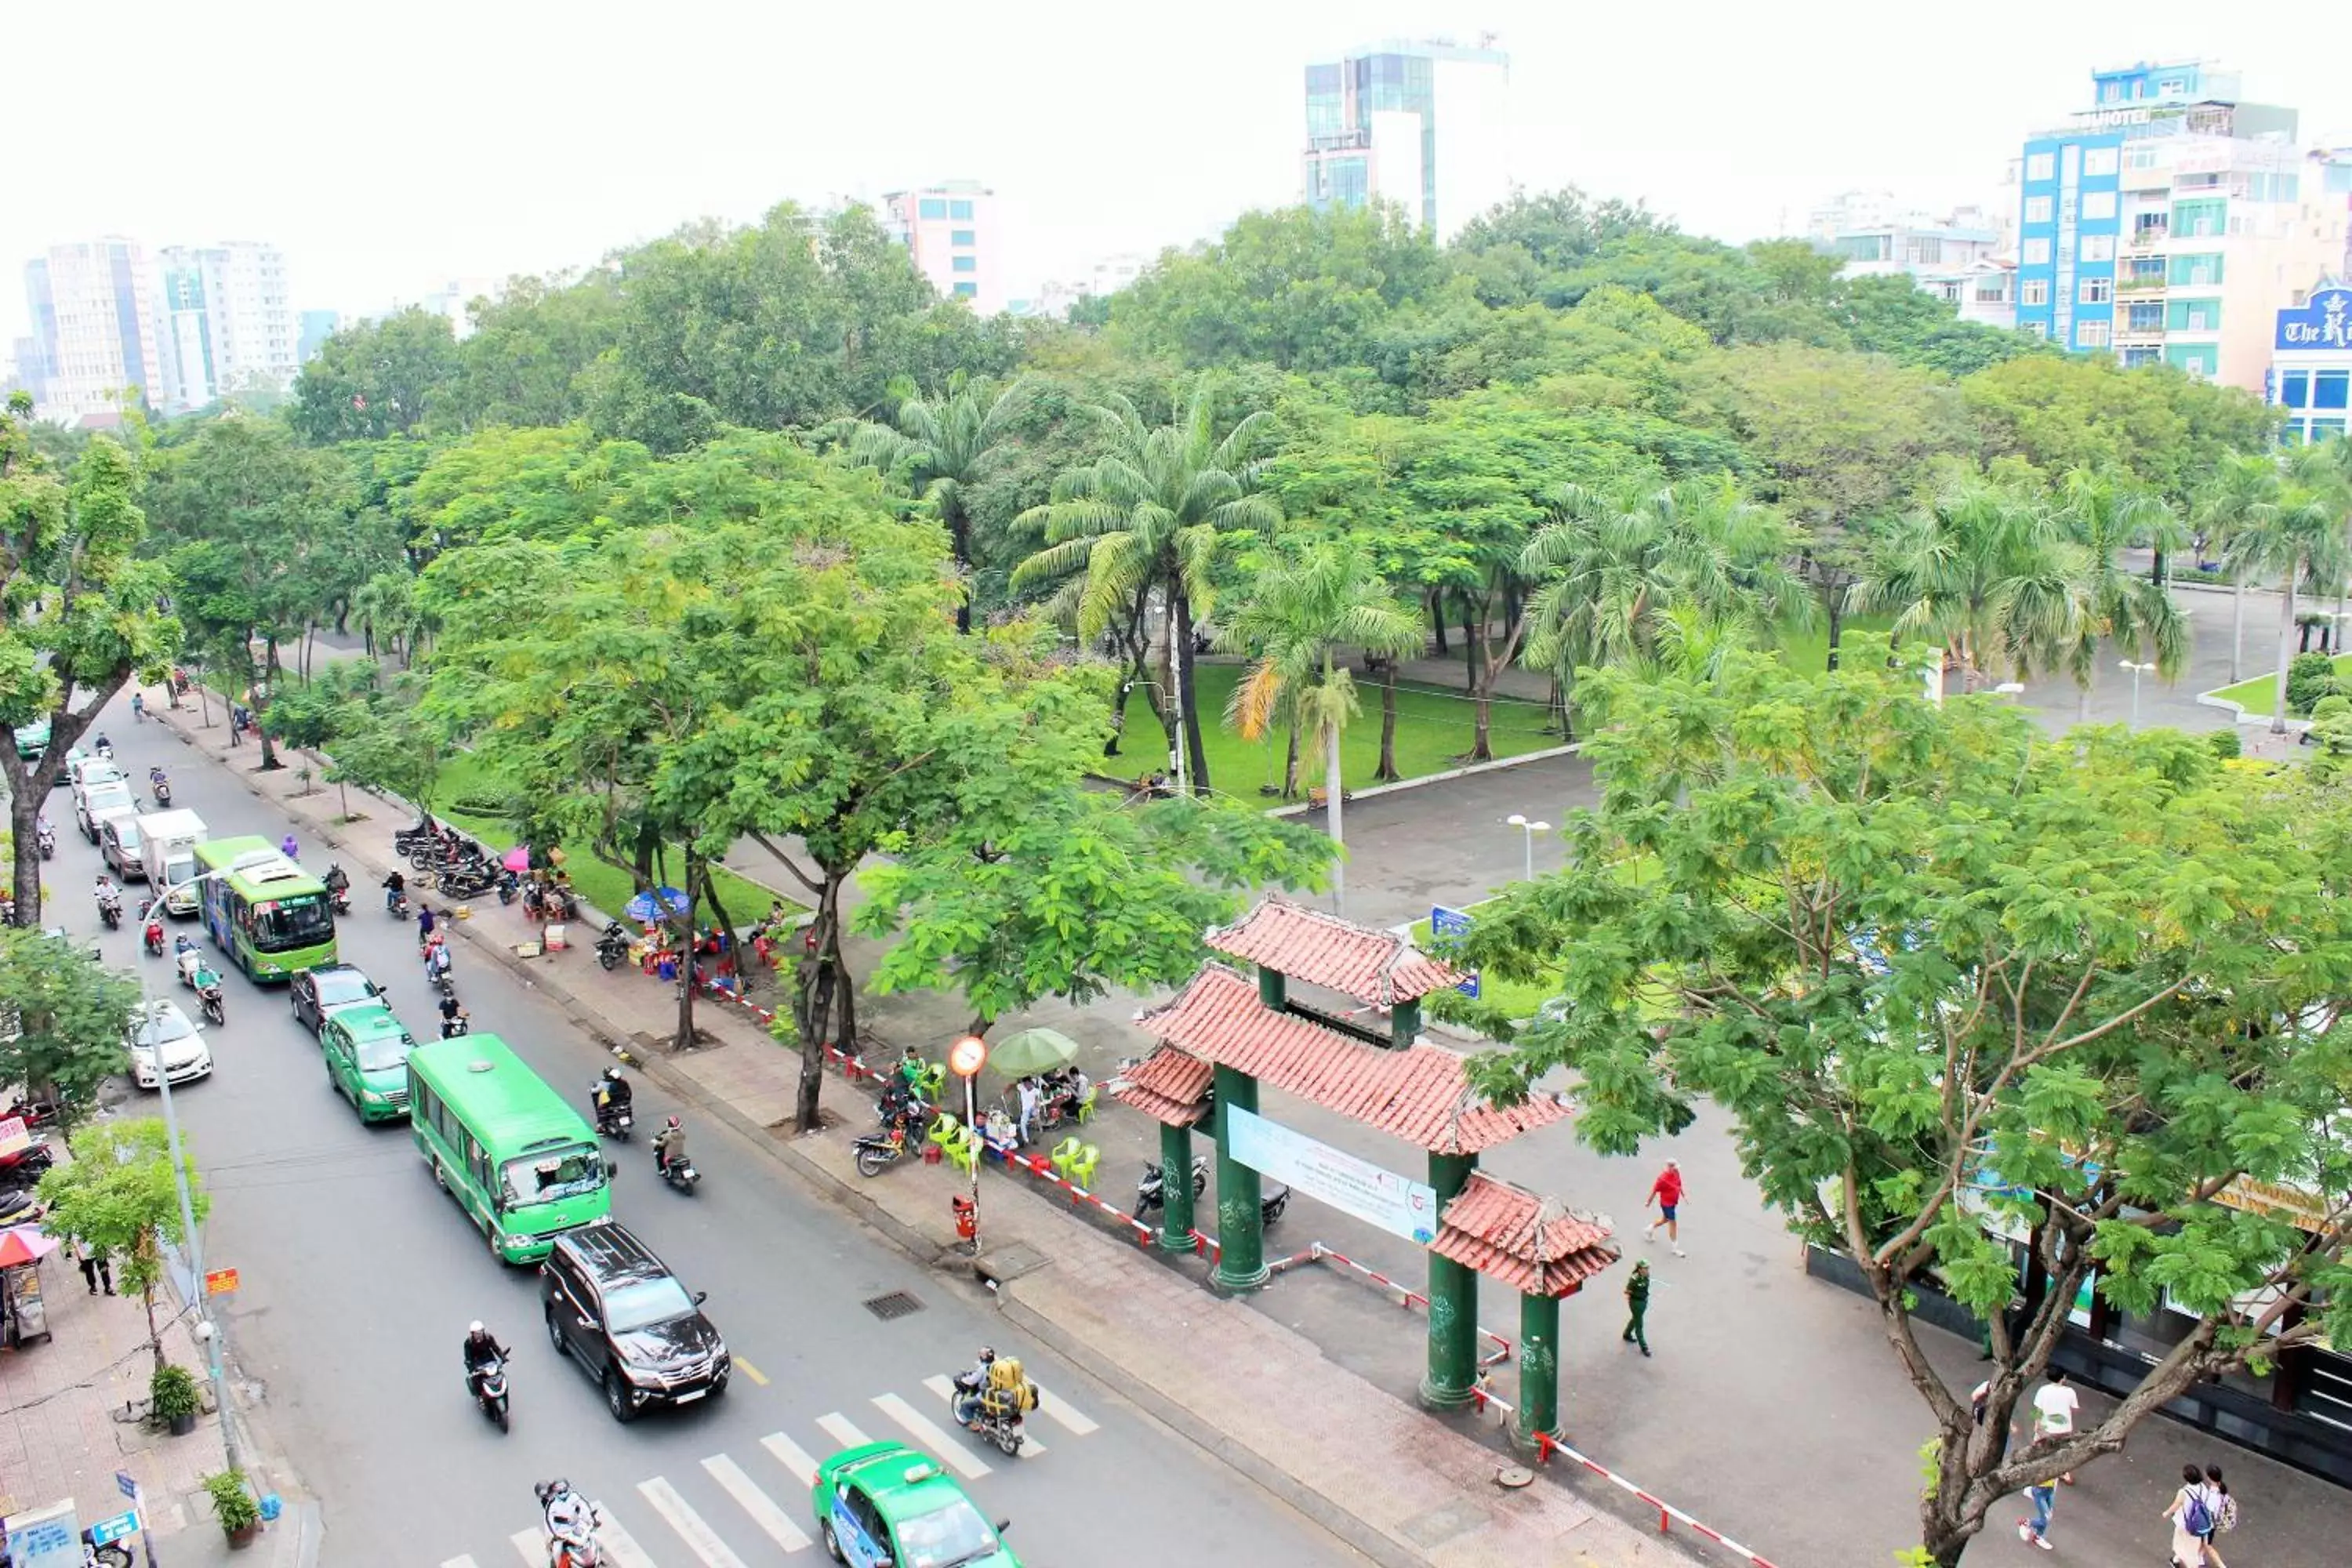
x: 170, y: 840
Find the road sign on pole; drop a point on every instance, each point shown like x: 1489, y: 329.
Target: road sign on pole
x: 1452, y: 925
x: 220, y: 1282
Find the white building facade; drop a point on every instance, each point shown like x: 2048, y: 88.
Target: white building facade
x: 1423, y: 124
x: 95, y: 307
x: 229, y: 322
x: 1960, y: 257
x: 952, y: 231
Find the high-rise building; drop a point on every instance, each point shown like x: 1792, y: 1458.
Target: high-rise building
x: 950, y: 230
x: 226, y: 320
x: 1957, y: 257
x: 318, y: 326
x: 2170, y: 222
x: 95, y: 307
x: 1423, y: 124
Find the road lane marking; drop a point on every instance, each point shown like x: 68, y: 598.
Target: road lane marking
x: 1059, y: 1411
x: 842, y: 1430
x: 753, y: 1373
x: 755, y: 1502
x: 927, y: 1432
x: 459, y: 1562
x: 699, y: 1538
x: 945, y: 1389
x: 792, y: 1457
x: 533, y: 1544
x: 621, y: 1547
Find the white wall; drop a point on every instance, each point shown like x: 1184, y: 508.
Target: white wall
x: 1473, y: 140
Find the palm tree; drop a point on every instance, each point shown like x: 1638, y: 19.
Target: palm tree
x: 1645, y: 574
x: 385, y: 607
x: 2138, y: 614
x: 2328, y: 463
x: 1140, y: 525
x: 939, y: 449
x: 2299, y: 536
x: 1988, y: 572
x: 1301, y: 615
x: 2241, y: 486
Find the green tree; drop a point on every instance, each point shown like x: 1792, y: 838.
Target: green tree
x: 940, y: 450
x: 2156, y: 423
x: 1895, y: 317
x: 2137, y: 615
x: 2232, y: 500
x: 1141, y: 522
x: 1954, y: 983
x: 1300, y: 615
x: 80, y: 618
x: 377, y: 379
x: 501, y: 483
x: 61, y: 1021
x: 530, y: 356
x: 1988, y: 572
x: 2298, y: 538
x: 119, y: 1196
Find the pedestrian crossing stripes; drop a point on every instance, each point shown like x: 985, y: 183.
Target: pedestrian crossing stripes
x: 755, y: 1510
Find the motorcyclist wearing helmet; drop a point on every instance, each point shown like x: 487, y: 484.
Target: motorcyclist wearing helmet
x: 108, y: 893
x: 669, y: 1145
x: 189, y: 957
x: 482, y: 1353
x: 971, y: 1387
x: 613, y: 1091
x: 571, y: 1518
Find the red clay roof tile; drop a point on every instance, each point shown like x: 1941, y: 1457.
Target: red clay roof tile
x: 1168, y: 1086
x: 1377, y: 968
x: 1537, y: 1246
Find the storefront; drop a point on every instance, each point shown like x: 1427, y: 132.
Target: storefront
x: 2311, y: 367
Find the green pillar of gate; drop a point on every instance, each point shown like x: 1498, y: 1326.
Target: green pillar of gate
x: 1241, y: 1228
x: 1176, y: 1188
x: 1538, y: 1373
x: 1453, y: 1303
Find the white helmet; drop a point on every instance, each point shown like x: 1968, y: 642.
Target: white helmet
x: 475, y: 1328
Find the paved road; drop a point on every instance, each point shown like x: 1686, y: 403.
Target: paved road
x: 359, y: 1278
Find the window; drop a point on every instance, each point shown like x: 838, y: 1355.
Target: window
x: 960, y: 211
x: 965, y: 263
x: 2149, y: 317
x: 1991, y: 293
x: 2097, y: 205
x: 932, y: 206
x: 2033, y: 292
x: 2037, y: 209
x: 2098, y: 161
x: 2096, y: 247
x: 2328, y: 389
x: 2095, y: 290
x: 2091, y: 335
x: 2040, y: 166
x: 2037, y: 253
x: 961, y: 237
x: 2197, y: 271
x: 2294, y: 389
x: 966, y: 290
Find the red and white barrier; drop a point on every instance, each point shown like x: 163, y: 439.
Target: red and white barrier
x: 1413, y: 1298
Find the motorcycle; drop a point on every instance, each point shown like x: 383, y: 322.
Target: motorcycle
x: 614, y: 1120
x: 49, y: 840
x: 612, y: 946
x: 575, y: 1549
x: 508, y: 884
x: 453, y: 1027
x: 489, y: 1383
x: 999, y: 1422
x: 1269, y: 1209
x: 110, y: 911
x: 679, y: 1173
x: 878, y: 1150
x: 209, y: 997
x: 437, y: 969
x: 105, y: 748
x: 1148, y: 1193
x: 162, y: 788
x: 27, y: 1163
x: 339, y: 888
x: 395, y: 905
x: 153, y: 936
x: 109, y: 1555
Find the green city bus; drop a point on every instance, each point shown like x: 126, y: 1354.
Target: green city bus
x: 519, y: 1161
x: 270, y: 916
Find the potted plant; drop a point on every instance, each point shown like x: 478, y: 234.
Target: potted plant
x: 172, y: 1399
x: 233, y: 1505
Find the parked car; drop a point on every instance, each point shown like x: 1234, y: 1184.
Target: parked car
x: 318, y: 993
x: 367, y: 1059
x: 632, y: 1324
x: 174, y: 1036
x: 885, y: 1503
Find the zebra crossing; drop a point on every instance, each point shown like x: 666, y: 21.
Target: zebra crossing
x: 765, y: 1494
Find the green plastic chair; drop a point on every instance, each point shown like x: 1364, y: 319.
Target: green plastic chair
x: 944, y: 1130
x: 1086, y: 1106
x: 931, y: 1080
x: 1082, y: 1168
x: 1064, y: 1155
x: 965, y: 1150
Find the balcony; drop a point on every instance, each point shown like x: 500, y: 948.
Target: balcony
x: 2148, y: 241
x: 2141, y: 288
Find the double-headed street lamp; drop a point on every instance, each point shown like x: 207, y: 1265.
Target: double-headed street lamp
x: 1520, y: 822
x: 965, y: 1059
x: 2136, y: 671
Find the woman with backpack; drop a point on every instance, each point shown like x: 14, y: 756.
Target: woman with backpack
x: 2191, y: 1513
x: 2224, y: 1510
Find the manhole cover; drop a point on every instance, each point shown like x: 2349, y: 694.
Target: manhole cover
x: 896, y: 1304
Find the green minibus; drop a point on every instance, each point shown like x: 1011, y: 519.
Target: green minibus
x: 519, y: 1161
x: 271, y: 916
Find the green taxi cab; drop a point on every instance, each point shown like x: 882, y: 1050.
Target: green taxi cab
x: 886, y: 1503
x: 367, y: 1059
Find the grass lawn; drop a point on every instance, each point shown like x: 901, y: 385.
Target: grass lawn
x: 462, y: 776
x: 1517, y: 1000
x: 1433, y: 730
x: 2254, y: 696
x: 1808, y: 647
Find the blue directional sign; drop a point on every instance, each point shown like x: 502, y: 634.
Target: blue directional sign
x: 126, y: 1485
x: 122, y: 1526
x: 1452, y: 925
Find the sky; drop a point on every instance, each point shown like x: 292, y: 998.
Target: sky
x: 389, y: 149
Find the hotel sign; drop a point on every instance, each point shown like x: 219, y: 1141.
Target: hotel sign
x: 2325, y: 323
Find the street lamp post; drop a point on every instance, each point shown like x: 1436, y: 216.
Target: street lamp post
x: 965, y: 1059
x: 2136, y: 671
x: 1530, y: 829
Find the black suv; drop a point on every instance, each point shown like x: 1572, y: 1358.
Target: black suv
x: 635, y: 1327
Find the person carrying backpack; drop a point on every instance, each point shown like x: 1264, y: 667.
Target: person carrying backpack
x: 2191, y: 1513
x: 2225, y: 1513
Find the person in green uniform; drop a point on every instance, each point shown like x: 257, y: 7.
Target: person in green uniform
x: 1637, y: 1301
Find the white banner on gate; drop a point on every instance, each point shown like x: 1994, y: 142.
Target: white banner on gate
x: 1398, y: 1204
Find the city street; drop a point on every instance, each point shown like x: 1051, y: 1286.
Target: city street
x: 358, y: 1278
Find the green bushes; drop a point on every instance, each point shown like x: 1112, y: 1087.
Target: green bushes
x: 2311, y: 677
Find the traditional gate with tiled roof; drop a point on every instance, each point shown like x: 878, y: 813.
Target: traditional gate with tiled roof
x: 1224, y: 1030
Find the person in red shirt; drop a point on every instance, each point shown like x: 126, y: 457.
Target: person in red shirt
x: 1666, y: 1192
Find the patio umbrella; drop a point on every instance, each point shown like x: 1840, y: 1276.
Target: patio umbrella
x: 517, y: 859
x: 655, y: 905
x: 22, y: 1243
x: 1031, y: 1052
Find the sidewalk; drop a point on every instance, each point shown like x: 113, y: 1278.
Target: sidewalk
x: 1406, y: 1490
x: 73, y: 1404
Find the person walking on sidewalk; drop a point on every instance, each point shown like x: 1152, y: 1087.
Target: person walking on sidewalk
x: 1666, y: 1192
x: 2224, y: 1510
x: 2192, y: 1512
x: 2054, y: 1404
x: 95, y: 1267
x: 2042, y: 1498
x: 1637, y: 1302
